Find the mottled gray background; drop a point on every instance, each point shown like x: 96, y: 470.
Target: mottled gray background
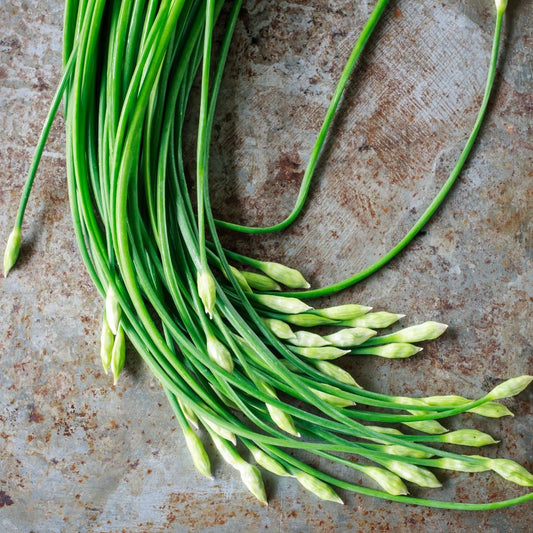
x: 80, y: 455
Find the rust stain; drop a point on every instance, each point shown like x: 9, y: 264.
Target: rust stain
x: 5, y: 499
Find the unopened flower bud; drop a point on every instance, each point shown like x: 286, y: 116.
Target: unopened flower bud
x: 281, y: 329
x: 396, y: 350
x: 218, y: 353
x: 283, y: 304
x: 468, y: 437
x: 509, y: 388
x: 267, y: 462
x: 317, y: 487
x: 431, y: 427
x: 221, y: 431
x: 335, y: 372
x: 459, y: 465
x: 309, y: 320
x: 332, y: 399
x: 199, y: 456
x: 348, y: 337
x: 189, y: 414
x: 107, y: 339
x: 404, y: 451
x: 415, y: 474
x: 286, y: 276
x: 282, y: 419
x: 343, y: 312
x: 388, y: 481
x: 260, y: 282
x: 512, y: 471
x: 241, y: 280
x: 12, y: 250
x: 378, y: 320
x: 112, y: 309
x: 320, y: 352
x: 207, y: 290
x: 228, y: 453
x: 501, y: 5
x: 306, y: 338
x: 118, y: 354
x: 251, y: 477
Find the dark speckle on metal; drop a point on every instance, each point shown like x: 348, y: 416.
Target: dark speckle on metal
x: 78, y: 454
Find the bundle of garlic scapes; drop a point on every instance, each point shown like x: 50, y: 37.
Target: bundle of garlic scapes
x: 235, y: 353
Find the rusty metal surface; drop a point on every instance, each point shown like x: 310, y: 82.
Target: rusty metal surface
x: 79, y: 455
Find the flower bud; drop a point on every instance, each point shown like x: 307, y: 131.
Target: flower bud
x: 511, y: 471
x: 415, y: 474
x: 320, y: 352
x: 282, y: 419
x: 107, y: 339
x: 306, y: 338
x: 421, y: 332
x: 491, y: 410
x: 207, y: 290
x: 431, y: 427
x: 118, y: 354
x: 385, y: 430
x: 348, y: 337
x: 222, y: 432
x: 286, y: 276
x: 396, y: 350
x: 509, y: 388
x: 335, y: 372
x: 199, y: 456
x: 241, y: 280
x: 267, y: 462
x: 317, y: 487
x: 336, y: 401
x: 404, y: 451
x: 281, y: 329
x: 260, y: 282
x: 459, y: 465
x: 227, y: 452
x: 468, y: 437
x: 308, y: 320
x: 12, y: 250
x: 501, y: 5
x: 343, y: 312
x: 251, y: 477
x: 388, y: 481
x: 283, y: 304
x: 378, y: 320
x: 189, y: 414
x: 218, y: 353
x: 112, y: 309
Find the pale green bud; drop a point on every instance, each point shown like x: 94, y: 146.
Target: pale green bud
x: 384, y: 430
x: 286, y: 276
x: 431, y: 427
x: 221, y: 431
x: 267, y: 462
x: 189, y: 414
x: 468, y: 437
x: 227, y: 452
x: 207, y: 290
x: 112, y: 309
x: 283, y: 420
x: 415, y: 474
x: 241, y: 279
x: 458, y: 465
x: 421, y: 332
x: 218, y: 353
x: 251, y: 477
x: 378, y: 320
x: 509, y: 388
x: 320, y: 352
x: 199, y: 456
x: 335, y: 372
x: 306, y: 338
x: 511, y: 471
x: 281, y: 329
x: 12, y: 250
x: 283, y: 304
x: 260, y: 282
x: 332, y: 399
x: 403, y: 451
x: 501, y: 5
x: 491, y: 410
x: 348, y: 337
x: 308, y: 320
x: 118, y: 354
x: 107, y: 339
x: 396, y: 350
x: 388, y: 481
x: 317, y: 487
x: 343, y: 312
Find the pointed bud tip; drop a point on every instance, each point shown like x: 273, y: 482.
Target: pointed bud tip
x: 12, y: 250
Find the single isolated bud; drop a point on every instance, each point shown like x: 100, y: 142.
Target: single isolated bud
x: 218, y: 353
x: 267, y: 462
x: 511, y: 471
x: 421, y: 332
x: 509, y: 388
x: 378, y: 320
x: 12, y: 250
x: 286, y: 276
x: 343, y: 312
x: 107, y: 339
x: 251, y: 477
x: 396, y: 350
x: 388, y: 481
x: 310, y: 320
x: 282, y: 419
x: 348, y: 337
x: 468, y: 437
x: 118, y: 354
x: 199, y: 456
x: 317, y: 487
x: 404, y: 451
x: 281, y: 329
x: 206, y: 290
